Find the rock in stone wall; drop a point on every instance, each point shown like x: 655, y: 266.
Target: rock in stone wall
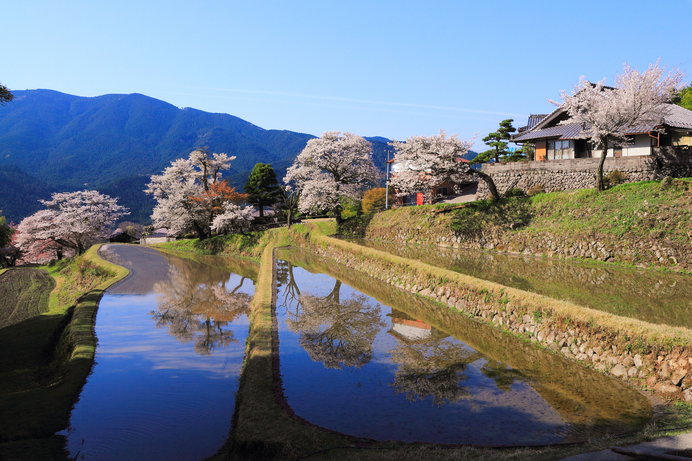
x: 557, y: 175
x: 667, y: 370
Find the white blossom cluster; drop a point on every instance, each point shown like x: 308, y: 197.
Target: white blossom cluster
x: 331, y: 167
x: 423, y: 162
x: 234, y: 218
x: 74, y: 220
x: 186, y: 178
x: 638, y: 101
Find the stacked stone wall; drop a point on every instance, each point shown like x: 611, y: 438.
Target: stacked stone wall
x: 557, y: 175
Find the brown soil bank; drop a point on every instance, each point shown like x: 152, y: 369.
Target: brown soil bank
x: 644, y: 223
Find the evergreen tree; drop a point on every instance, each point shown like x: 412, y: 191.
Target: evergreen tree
x: 5, y: 233
x: 262, y: 187
x: 498, y: 141
x: 5, y: 95
x: 683, y: 98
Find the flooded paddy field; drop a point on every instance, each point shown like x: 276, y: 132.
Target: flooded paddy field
x: 652, y: 296
x: 368, y: 360
x: 171, y: 341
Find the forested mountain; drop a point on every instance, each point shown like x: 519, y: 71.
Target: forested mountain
x: 51, y: 141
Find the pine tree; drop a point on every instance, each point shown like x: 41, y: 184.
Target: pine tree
x: 262, y: 187
x: 497, y: 141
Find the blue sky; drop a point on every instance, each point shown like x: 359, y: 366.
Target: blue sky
x: 378, y: 67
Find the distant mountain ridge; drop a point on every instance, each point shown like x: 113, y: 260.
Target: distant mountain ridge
x: 52, y: 141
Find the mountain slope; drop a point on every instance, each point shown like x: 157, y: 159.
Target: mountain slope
x: 52, y: 141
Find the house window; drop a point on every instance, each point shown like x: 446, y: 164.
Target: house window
x: 559, y: 150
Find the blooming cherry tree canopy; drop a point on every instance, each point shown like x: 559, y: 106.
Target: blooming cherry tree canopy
x: 423, y: 162
x: 331, y: 167
x: 636, y: 103
x: 638, y: 99
x: 190, y: 194
x: 74, y: 220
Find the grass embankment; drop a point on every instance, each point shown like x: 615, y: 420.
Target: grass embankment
x: 248, y: 245
x: 646, y: 223
x: 51, y: 356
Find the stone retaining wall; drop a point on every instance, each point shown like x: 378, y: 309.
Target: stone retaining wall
x: 556, y: 175
x: 664, y: 368
x: 600, y: 247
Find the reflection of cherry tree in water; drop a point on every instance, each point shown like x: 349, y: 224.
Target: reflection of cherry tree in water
x: 337, y: 333
x: 432, y: 367
x: 286, y: 278
x: 198, y: 306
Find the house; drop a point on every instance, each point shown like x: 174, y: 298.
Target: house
x: 122, y: 236
x: 564, y: 159
x: 553, y: 137
x: 161, y: 235
x: 407, y: 328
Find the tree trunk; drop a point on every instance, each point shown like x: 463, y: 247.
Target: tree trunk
x: 600, y: 185
x: 489, y: 182
x: 201, y: 234
x: 261, y: 211
x: 288, y: 218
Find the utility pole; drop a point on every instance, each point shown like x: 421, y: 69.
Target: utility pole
x: 386, y: 185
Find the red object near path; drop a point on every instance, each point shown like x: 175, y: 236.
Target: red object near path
x: 420, y: 198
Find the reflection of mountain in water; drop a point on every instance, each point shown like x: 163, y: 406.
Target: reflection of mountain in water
x: 197, y: 303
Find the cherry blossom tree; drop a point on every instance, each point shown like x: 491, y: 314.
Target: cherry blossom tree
x: 423, y: 162
x: 330, y: 168
x: 233, y: 218
x: 190, y: 194
x: 607, y: 114
x: 71, y: 220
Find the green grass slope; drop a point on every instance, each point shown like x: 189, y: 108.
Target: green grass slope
x: 645, y: 223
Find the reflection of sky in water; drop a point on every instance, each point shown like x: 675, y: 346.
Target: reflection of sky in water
x: 428, y: 387
x: 151, y: 395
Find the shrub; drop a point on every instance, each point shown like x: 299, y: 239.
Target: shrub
x: 614, y: 178
x: 350, y: 208
x: 515, y: 192
x: 355, y: 226
x: 374, y: 200
x: 535, y: 190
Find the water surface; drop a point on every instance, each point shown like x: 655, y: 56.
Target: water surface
x: 369, y: 360
x: 171, y: 340
x: 649, y: 295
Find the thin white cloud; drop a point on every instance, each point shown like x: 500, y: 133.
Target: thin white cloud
x: 456, y: 115
x: 363, y: 101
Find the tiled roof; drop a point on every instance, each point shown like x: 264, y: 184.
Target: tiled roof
x: 534, y: 119
x: 677, y: 117
x: 567, y: 131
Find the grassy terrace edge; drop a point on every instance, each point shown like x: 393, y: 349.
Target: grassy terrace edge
x: 265, y: 427
x: 58, y: 346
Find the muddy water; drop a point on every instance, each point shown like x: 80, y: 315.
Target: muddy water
x: 171, y: 340
x: 652, y: 296
x: 371, y: 361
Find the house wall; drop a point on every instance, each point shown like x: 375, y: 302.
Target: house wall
x: 580, y: 173
x: 153, y: 240
x: 641, y: 146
